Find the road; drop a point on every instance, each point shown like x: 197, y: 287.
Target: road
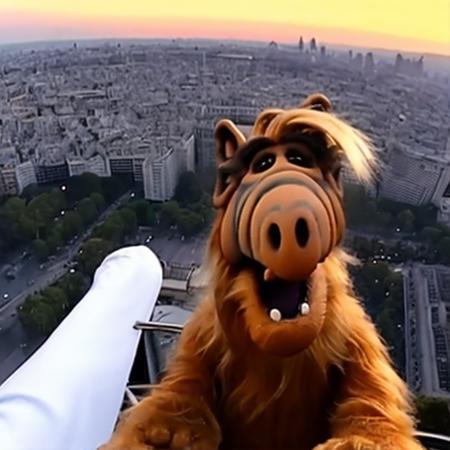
x: 16, y: 345
x: 430, y: 384
x: 185, y: 253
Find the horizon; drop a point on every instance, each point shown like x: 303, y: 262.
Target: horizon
x: 381, y: 24
x: 339, y: 46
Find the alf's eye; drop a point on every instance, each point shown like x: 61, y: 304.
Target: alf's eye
x: 264, y: 163
x: 295, y: 157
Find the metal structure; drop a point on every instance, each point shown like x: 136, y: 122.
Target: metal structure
x: 156, y: 359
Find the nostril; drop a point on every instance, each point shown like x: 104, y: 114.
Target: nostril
x: 274, y: 236
x: 302, y: 232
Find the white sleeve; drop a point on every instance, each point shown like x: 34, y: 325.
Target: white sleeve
x: 67, y: 396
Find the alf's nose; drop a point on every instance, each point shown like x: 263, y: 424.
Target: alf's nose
x: 290, y: 234
x: 301, y: 234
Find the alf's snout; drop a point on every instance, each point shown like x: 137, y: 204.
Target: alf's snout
x: 291, y: 231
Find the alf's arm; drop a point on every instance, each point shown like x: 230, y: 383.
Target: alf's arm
x: 178, y: 413
x: 373, y: 408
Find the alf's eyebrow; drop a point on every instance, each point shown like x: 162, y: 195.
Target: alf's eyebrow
x: 315, y: 142
x: 252, y: 147
x: 242, y: 158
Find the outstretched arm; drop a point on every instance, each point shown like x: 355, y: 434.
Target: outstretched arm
x: 373, y: 408
x: 178, y: 413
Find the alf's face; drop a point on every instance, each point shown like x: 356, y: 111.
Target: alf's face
x: 282, y: 216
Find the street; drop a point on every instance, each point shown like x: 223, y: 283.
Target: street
x: 426, y: 348
x: 175, y: 251
x: 15, y: 344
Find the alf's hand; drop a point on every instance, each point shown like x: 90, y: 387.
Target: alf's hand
x: 166, y: 420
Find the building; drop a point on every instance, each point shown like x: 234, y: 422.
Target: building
x: 25, y: 175
x: 189, y: 153
x: 50, y: 173
x: 121, y: 164
x: 204, y: 146
x: 438, y: 282
x: 415, y: 178
x: 97, y: 165
x: 444, y: 211
x: 243, y: 116
x: 8, y: 181
x: 132, y: 165
x: 348, y: 176
x: 161, y: 175
x: 138, y: 163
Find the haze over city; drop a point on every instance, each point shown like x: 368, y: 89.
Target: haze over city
x: 394, y: 25
x: 108, y: 112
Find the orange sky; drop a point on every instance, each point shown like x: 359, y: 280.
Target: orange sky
x: 414, y: 25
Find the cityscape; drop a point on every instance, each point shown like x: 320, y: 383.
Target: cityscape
x: 111, y: 143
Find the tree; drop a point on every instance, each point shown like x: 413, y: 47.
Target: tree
x: 112, y: 229
x: 189, y: 222
x: 444, y: 250
x: 386, y: 325
x: 145, y: 214
x: 58, y: 301
x: 406, y: 220
x: 129, y: 220
x: 41, y: 210
x: 9, y: 215
x: 26, y: 227
x: 58, y: 200
x: 82, y: 186
x: 37, y: 315
x: 87, y: 210
x: 433, y: 414
x: 425, y: 216
x: 41, y: 249
x: 31, y: 191
x: 169, y: 213
x: 354, y: 197
x: 72, y: 224
x: 188, y: 189
x: 431, y: 235
x: 75, y: 286
x: 382, y: 218
x: 207, y: 179
x: 98, y: 200
x: 54, y: 241
x: 113, y: 187
x: 92, y: 254
x: 204, y: 209
x: 363, y: 247
x: 44, y: 311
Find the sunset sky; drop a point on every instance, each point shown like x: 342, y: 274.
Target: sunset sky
x: 412, y: 25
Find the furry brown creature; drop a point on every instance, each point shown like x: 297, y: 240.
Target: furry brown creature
x: 280, y: 354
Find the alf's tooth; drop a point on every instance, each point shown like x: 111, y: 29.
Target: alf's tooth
x: 275, y: 315
x: 269, y: 275
x: 304, y: 309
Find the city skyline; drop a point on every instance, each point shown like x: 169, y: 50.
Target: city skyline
x: 394, y: 25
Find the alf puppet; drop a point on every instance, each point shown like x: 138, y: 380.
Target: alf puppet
x: 280, y: 354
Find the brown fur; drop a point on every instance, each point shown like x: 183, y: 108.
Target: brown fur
x: 221, y: 391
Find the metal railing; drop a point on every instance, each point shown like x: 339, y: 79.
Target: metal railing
x: 430, y: 441
x: 158, y: 326
x: 433, y: 441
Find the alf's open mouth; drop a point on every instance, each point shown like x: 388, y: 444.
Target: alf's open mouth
x: 285, y: 299
x: 284, y: 317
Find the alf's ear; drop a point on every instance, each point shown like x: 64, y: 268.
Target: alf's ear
x: 228, y: 138
x: 317, y: 101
